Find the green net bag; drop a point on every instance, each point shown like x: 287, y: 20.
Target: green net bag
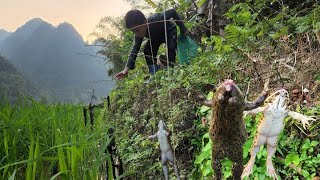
x: 187, y: 49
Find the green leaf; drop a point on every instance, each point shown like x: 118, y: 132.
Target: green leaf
x: 205, y: 136
x: 201, y: 157
x: 260, y: 153
x: 55, y: 176
x: 207, y: 148
x: 13, y: 175
x: 210, y: 95
x: 305, y: 173
x: 314, y: 143
x: 261, y: 33
x: 292, y: 158
x: 227, y: 174
x: 280, y: 151
x: 208, y: 169
x: 227, y: 48
x: 262, y: 176
x: 306, y: 146
x: 317, y: 77
x: 204, y: 109
x: 247, y: 147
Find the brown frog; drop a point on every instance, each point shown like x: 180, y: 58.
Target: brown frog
x: 227, y: 129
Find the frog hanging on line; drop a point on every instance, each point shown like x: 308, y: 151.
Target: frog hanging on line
x: 166, y: 151
x: 271, y: 125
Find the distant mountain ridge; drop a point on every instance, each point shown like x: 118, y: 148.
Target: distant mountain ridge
x: 3, y: 35
x: 50, y: 57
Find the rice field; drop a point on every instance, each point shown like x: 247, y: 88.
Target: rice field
x: 39, y: 141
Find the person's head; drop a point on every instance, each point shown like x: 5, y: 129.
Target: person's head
x: 136, y: 22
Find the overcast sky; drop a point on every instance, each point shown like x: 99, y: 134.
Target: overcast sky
x: 82, y: 14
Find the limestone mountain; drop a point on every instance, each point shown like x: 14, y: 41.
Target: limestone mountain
x: 56, y: 59
x: 3, y: 35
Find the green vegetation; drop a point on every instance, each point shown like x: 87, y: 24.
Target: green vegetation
x: 258, y: 43
x: 50, y: 141
x: 172, y: 96
x: 42, y: 141
x: 297, y: 157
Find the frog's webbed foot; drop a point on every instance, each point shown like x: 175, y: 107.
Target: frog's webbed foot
x: 305, y: 121
x: 247, y: 170
x: 302, y: 118
x: 271, y: 171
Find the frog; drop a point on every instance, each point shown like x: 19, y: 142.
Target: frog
x: 227, y: 128
x: 274, y: 111
x: 167, y: 154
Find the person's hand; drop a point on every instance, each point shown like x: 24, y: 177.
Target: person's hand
x: 122, y: 73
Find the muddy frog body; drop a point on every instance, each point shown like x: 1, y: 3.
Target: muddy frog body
x: 227, y: 129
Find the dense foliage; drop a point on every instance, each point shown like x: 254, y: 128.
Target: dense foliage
x: 281, y: 44
x: 42, y: 141
x: 297, y: 155
x: 51, y: 141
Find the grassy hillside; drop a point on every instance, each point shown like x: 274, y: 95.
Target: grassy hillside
x: 283, y: 47
x: 172, y: 96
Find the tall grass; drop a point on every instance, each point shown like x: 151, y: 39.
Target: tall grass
x: 39, y: 141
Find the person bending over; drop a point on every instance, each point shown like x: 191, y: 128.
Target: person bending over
x: 154, y: 29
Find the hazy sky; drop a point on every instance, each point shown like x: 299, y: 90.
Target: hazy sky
x: 82, y: 14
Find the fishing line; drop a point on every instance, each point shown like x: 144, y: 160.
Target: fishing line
x: 153, y: 64
x: 169, y: 79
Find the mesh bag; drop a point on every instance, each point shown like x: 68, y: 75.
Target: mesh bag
x: 187, y: 49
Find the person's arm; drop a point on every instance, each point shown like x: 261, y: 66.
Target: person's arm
x: 134, y: 52
x: 132, y: 58
x: 172, y: 13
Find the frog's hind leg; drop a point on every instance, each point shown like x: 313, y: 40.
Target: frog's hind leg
x: 165, y: 169
x: 258, y: 141
x: 237, y: 167
x: 217, y: 168
x: 272, y: 144
x: 216, y: 163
